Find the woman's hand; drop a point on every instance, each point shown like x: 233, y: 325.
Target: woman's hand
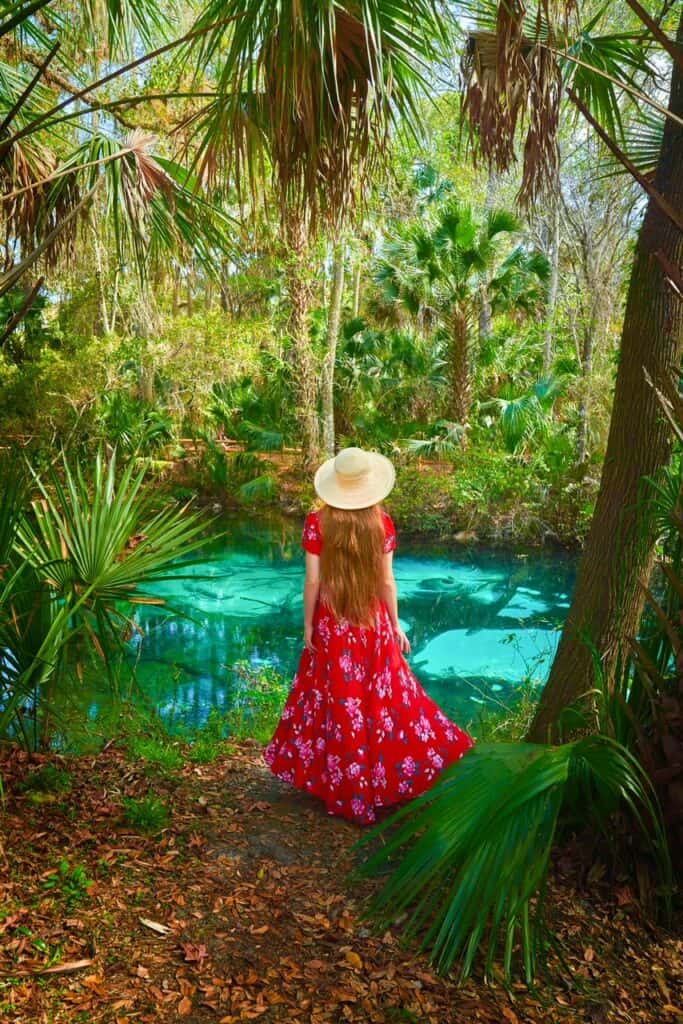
x: 402, y: 640
x: 308, y: 639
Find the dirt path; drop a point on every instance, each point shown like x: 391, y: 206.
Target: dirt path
x: 242, y: 910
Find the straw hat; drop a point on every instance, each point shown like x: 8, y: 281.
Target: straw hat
x: 354, y: 479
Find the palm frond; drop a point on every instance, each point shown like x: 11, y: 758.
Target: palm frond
x: 311, y: 91
x: 261, y: 488
x: 468, y: 861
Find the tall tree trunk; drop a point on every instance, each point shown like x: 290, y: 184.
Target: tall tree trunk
x: 461, y: 370
x: 357, y: 272
x: 333, y: 321
x: 300, y: 286
x: 589, y: 339
x: 176, y: 291
x: 551, y: 303
x: 485, y: 311
x: 608, y: 600
x: 189, y: 293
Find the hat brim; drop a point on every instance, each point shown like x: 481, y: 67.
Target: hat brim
x: 370, y: 489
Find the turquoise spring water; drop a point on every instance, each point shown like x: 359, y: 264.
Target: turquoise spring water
x: 480, y: 621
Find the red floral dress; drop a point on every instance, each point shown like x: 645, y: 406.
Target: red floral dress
x: 358, y: 730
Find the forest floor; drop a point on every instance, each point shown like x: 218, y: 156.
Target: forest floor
x: 241, y: 909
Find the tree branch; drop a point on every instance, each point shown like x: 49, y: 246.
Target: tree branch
x: 117, y: 73
x: 16, y: 107
x: 662, y: 38
x: 22, y: 311
x: 675, y: 216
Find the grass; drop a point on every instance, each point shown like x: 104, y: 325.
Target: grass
x: 508, y: 720
x: 157, y: 753
x: 146, y: 814
x: 48, y: 779
x: 258, y: 704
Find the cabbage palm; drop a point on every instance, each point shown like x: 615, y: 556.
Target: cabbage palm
x: 62, y: 164
x: 468, y: 861
x: 436, y: 269
x: 84, y: 551
x: 306, y: 94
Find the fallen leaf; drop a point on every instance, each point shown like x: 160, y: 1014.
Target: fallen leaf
x: 353, y: 959
x: 184, y: 1007
x: 161, y: 929
x: 71, y: 965
x: 194, y: 954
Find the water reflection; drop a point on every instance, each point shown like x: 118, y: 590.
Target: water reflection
x: 479, y: 621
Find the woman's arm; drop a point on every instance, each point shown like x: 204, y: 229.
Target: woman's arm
x: 390, y: 598
x: 311, y: 591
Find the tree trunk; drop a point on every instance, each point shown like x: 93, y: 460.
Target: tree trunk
x: 485, y: 311
x: 551, y: 304
x: 461, y: 370
x: 608, y: 600
x: 300, y: 286
x: 357, y: 271
x: 586, y: 371
x: 333, y: 320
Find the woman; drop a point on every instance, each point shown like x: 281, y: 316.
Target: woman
x: 357, y: 730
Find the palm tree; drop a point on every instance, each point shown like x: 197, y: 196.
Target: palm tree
x: 596, y: 72
x: 63, y: 164
x: 71, y: 563
x: 305, y: 96
x: 435, y: 269
x: 333, y: 325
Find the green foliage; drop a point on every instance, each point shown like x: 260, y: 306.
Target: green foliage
x: 154, y: 752
x: 47, y: 779
x: 71, y: 565
x: 132, y: 425
x: 258, y: 703
x: 146, y: 814
x: 208, y: 742
x: 469, y: 860
x: 69, y: 884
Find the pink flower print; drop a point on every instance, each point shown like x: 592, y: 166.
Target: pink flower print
x: 383, y: 684
x: 386, y: 720
x: 358, y: 807
x: 353, y: 709
x: 346, y: 663
x: 408, y: 766
x: 305, y: 750
x: 379, y: 776
x: 423, y: 729
x: 405, y: 786
x: 354, y: 770
x: 324, y: 630
x: 320, y: 743
x: 334, y: 770
x: 436, y: 759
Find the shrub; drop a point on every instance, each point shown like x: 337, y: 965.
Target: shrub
x: 147, y: 813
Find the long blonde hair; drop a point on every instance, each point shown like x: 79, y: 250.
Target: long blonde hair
x: 351, y: 561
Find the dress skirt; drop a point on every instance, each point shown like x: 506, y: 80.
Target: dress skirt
x: 358, y: 730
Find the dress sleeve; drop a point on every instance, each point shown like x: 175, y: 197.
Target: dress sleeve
x: 389, y: 533
x: 312, y: 539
